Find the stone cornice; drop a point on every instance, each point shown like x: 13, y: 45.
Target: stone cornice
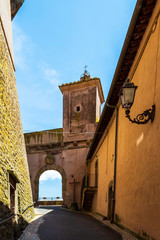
x: 57, y: 147
x: 88, y: 82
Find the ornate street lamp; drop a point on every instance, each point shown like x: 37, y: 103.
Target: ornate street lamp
x: 127, y: 95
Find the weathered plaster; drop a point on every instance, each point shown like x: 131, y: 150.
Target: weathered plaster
x: 138, y: 183
x: 68, y: 146
x: 5, y: 14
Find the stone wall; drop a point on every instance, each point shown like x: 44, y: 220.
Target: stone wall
x: 12, y: 148
x: 43, y: 137
x: 65, y: 150
x: 81, y: 100
x: 66, y: 158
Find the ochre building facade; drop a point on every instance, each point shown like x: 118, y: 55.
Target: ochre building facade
x: 127, y: 154
x: 15, y: 188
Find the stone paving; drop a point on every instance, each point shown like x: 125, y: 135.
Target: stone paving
x: 31, y: 232
x: 125, y: 235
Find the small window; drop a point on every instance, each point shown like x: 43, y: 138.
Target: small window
x: 78, y: 109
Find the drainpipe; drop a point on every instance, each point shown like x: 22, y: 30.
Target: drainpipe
x: 115, y: 163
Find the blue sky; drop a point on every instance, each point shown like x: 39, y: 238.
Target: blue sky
x: 50, y: 184
x: 53, y: 40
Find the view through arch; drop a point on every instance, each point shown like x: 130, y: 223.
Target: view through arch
x: 50, y: 186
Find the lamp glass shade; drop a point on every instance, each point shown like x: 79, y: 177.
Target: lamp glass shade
x: 127, y: 94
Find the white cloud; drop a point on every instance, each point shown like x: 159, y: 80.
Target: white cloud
x: 50, y: 174
x: 37, y: 83
x: 19, y: 38
x: 52, y: 76
x: 22, y: 45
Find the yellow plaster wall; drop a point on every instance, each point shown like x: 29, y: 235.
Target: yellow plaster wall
x: 105, y: 157
x: 138, y: 165
x: 138, y: 156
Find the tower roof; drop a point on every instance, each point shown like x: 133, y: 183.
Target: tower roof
x: 84, y: 82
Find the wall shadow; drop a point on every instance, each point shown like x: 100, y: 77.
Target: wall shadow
x: 12, y: 229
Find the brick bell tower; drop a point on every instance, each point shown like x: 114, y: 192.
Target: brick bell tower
x: 81, y: 107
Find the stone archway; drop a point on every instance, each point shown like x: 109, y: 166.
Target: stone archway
x: 50, y: 167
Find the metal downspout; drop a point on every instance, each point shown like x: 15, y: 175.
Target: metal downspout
x: 115, y: 164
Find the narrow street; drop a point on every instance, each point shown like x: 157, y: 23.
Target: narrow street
x: 59, y: 224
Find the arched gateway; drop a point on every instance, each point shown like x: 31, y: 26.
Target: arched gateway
x: 50, y: 167
x: 65, y: 150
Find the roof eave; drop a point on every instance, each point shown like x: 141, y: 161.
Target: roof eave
x: 15, y: 6
x: 69, y: 86
x: 99, y: 129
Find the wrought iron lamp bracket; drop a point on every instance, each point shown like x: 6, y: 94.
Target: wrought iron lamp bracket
x: 144, y: 117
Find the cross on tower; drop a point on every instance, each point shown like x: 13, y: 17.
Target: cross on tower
x: 85, y: 67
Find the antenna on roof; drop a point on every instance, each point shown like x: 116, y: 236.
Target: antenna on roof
x: 86, y: 73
